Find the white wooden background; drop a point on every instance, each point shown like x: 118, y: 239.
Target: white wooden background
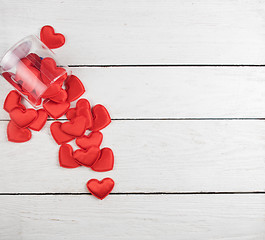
x: 184, y: 82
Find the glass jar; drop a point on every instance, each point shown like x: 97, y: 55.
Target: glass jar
x: 32, y: 68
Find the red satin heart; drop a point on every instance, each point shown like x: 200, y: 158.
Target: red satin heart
x: 93, y: 139
x: 52, y: 90
x: 87, y: 157
x: 40, y: 121
x: 86, y: 112
x: 101, y: 118
x: 66, y: 158
x: 16, y: 134
x: 58, y: 135
x: 74, y: 88
x: 50, y: 72
x: 105, y: 162
x: 76, y: 127
x: 35, y: 60
x: 100, y: 189
x: 71, y: 113
x: 13, y: 100
x: 56, y: 110
x: 23, y: 118
x: 50, y: 38
x: 60, y: 97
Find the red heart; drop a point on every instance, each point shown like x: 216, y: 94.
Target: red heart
x: 100, y: 189
x: 40, y: 121
x: 87, y: 157
x: 56, y: 110
x: 23, y: 118
x: 60, y: 97
x: 35, y: 60
x: 76, y: 127
x: 50, y: 72
x: 58, y: 135
x: 71, y: 113
x: 101, y: 118
x: 50, y: 38
x: 86, y: 112
x: 105, y: 162
x: 93, y: 139
x: 52, y: 90
x: 13, y: 100
x: 66, y: 158
x: 74, y: 88
x: 16, y: 134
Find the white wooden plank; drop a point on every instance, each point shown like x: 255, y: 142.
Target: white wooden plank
x: 144, y: 32
x: 150, y: 156
x: 204, y: 217
x: 172, y: 92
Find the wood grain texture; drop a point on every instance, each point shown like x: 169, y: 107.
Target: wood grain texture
x: 150, y: 156
x: 172, y: 92
x: 144, y: 32
x: 132, y: 217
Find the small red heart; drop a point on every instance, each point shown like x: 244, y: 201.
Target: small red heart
x: 86, y: 112
x: 40, y: 121
x: 100, y: 189
x: 83, y: 103
x: 105, y: 162
x: 101, y: 118
x: 60, y: 97
x: 56, y: 110
x: 76, y: 127
x: 50, y: 38
x: 35, y: 60
x: 71, y: 113
x: 16, y: 134
x: 74, y: 88
x: 50, y: 72
x: 87, y: 157
x: 13, y: 100
x: 58, y: 135
x: 66, y: 158
x: 93, y: 139
x: 52, y: 90
x: 23, y: 118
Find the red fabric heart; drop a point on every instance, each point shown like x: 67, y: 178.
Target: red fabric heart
x: 16, y: 134
x: 87, y: 157
x: 52, y: 90
x: 74, y: 88
x: 71, y: 113
x: 56, y: 110
x: 93, y: 139
x: 105, y: 162
x: 101, y: 118
x: 35, y: 60
x: 58, y: 135
x: 40, y: 121
x: 13, y: 100
x: 66, y: 158
x: 23, y: 118
x: 50, y: 38
x: 86, y: 112
x: 76, y: 127
x: 50, y: 72
x: 100, y: 189
x: 60, y: 97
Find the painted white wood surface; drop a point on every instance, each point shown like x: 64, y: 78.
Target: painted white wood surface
x: 169, y: 217
x: 173, y: 92
x: 150, y: 156
x: 144, y: 32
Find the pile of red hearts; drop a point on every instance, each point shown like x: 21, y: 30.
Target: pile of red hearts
x: 57, y: 99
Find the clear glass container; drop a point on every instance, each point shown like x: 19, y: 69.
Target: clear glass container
x: 32, y: 68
